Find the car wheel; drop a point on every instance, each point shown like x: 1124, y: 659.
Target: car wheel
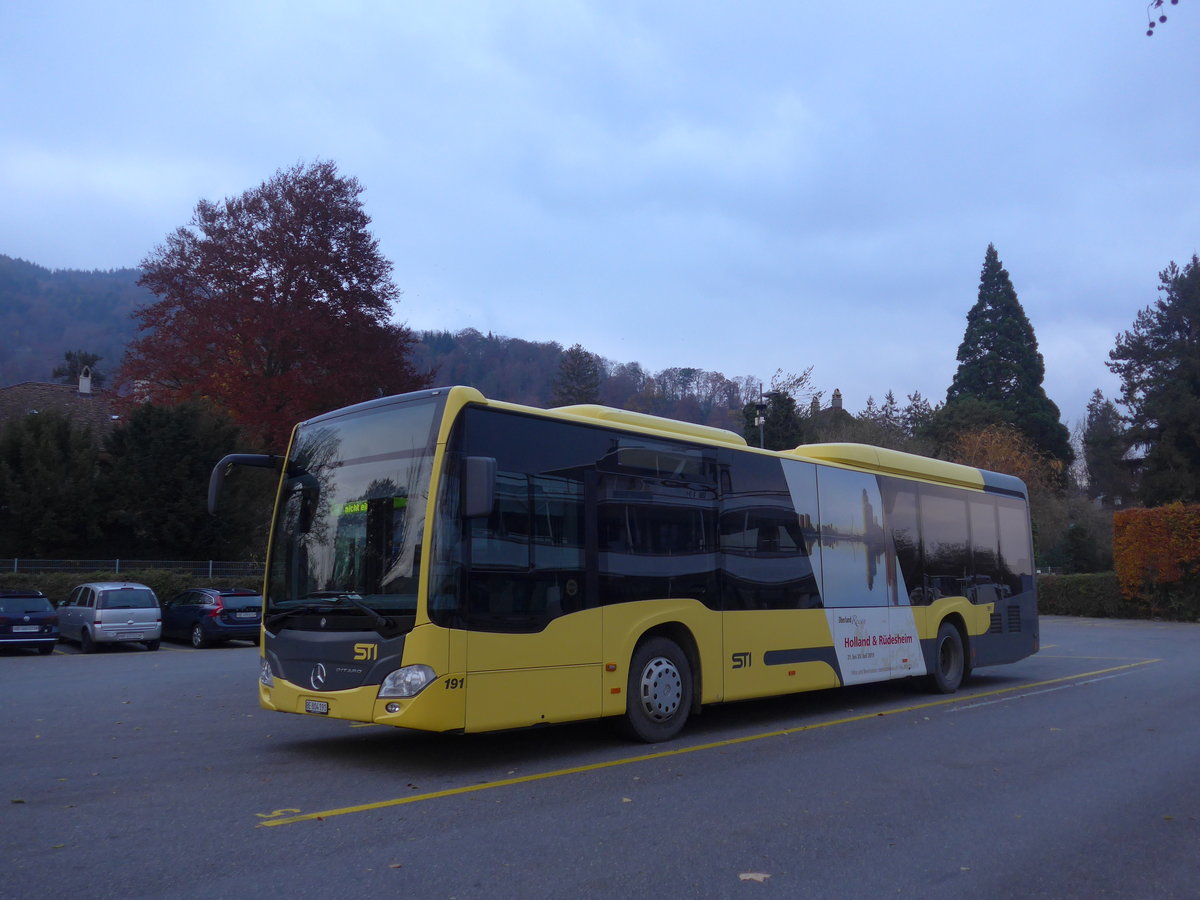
x: 948, y: 661
x: 86, y: 644
x: 199, y: 641
x: 151, y: 645
x: 659, y: 695
x: 46, y: 649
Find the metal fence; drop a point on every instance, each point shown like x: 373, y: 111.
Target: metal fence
x: 199, y: 568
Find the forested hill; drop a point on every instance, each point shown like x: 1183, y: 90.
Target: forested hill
x: 45, y: 313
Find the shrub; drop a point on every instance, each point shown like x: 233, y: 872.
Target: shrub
x: 164, y: 582
x: 1096, y: 595
x: 1156, y: 553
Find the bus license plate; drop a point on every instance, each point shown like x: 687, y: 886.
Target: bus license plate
x: 320, y: 707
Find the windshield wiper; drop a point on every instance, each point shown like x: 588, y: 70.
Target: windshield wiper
x: 333, y: 600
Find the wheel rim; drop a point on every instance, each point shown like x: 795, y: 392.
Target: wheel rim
x: 197, y: 637
x: 661, y: 689
x: 949, y: 658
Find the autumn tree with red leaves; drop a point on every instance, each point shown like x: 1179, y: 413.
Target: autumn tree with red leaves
x: 274, y: 306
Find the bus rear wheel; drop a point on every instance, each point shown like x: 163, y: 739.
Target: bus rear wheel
x: 949, y: 661
x: 659, y: 695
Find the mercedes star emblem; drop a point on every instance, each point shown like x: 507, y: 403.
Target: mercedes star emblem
x: 317, y: 679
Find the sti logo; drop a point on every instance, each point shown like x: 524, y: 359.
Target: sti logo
x: 741, y: 661
x: 366, y: 651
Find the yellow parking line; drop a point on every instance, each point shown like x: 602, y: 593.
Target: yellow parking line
x: 280, y: 818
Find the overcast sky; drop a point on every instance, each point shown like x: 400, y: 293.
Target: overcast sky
x: 739, y: 187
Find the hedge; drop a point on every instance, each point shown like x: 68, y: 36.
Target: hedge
x: 165, y: 583
x: 1156, y: 553
x: 1085, y: 595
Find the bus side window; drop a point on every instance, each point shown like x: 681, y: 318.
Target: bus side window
x: 1016, y: 554
x: 900, y: 502
x: 945, y: 533
x: 985, y: 550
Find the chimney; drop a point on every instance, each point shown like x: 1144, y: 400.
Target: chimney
x: 85, y: 380
x: 836, y: 403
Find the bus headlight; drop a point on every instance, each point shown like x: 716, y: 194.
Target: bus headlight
x: 265, y: 678
x: 407, y: 682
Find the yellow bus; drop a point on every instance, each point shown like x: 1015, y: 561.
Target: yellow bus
x: 445, y: 562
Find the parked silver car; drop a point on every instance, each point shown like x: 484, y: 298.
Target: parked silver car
x: 110, y: 612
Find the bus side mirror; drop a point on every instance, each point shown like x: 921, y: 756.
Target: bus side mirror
x: 225, y: 466
x: 478, y: 486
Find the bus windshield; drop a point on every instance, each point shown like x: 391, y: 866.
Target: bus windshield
x: 352, y: 509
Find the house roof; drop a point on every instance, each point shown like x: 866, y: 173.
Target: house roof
x: 93, y: 409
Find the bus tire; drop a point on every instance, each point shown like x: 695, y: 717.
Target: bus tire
x: 659, y: 695
x: 949, y: 661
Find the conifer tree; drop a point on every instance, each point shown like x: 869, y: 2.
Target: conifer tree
x: 1000, y: 366
x: 74, y: 362
x: 1158, y: 362
x: 917, y: 415
x: 1104, y: 447
x: 578, y: 378
x: 48, y: 487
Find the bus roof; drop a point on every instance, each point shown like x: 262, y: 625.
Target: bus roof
x: 653, y: 423
x: 891, y: 462
x: 863, y: 457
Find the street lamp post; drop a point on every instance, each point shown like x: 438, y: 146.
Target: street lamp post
x: 761, y: 418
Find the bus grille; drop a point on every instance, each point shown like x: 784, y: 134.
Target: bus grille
x: 997, y: 626
x: 1014, y: 618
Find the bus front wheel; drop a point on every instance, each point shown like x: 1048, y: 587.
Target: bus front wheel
x: 659, y: 694
x: 949, y: 661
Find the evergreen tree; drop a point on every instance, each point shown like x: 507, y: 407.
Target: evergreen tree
x: 917, y: 416
x: 578, y: 378
x: 999, y: 365
x: 1158, y: 362
x: 74, y: 362
x: 157, y: 464
x: 882, y: 424
x: 783, y: 425
x: 1104, y: 447
x: 891, y: 419
x: 48, y: 488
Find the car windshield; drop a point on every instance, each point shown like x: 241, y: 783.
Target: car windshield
x: 127, y: 598
x: 20, y: 605
x: 352, y: 509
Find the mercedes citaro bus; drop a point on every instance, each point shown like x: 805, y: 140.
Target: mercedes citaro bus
x: 446, y: 562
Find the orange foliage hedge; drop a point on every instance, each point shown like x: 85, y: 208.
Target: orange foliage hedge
x: 1156, y: 553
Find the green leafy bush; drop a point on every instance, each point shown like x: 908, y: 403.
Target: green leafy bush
x: 165, y: 583
x: 1100, y: 595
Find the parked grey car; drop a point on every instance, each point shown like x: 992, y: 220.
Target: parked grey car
x: 111, y: 612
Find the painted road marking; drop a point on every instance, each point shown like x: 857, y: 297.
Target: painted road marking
x: 275, y: 820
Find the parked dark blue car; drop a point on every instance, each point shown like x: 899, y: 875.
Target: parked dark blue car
x: 28, y: 620
x: 207, y: 616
